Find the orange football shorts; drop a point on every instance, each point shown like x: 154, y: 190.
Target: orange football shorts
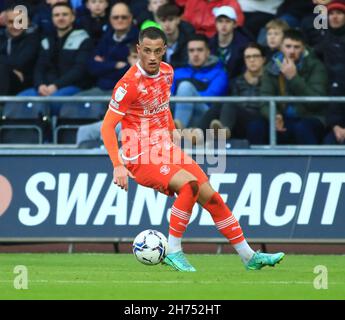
x: 155, y: 171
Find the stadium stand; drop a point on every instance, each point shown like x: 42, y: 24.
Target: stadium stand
x: 71, y: 116
x: 29, y: 126
x: 257, y: 14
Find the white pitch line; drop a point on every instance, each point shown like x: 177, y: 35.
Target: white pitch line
x: 43, y: 281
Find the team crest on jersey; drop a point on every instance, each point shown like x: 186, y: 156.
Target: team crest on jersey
x: 120, y: 93
x: 168, y: 79
x: 164, y: 170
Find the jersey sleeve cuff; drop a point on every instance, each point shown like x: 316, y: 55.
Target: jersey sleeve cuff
x: 116, y: 111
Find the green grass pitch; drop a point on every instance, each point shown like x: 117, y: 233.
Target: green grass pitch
x: 120, y: 276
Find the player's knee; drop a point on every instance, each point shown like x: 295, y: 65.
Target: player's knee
x: 192, y: 187
x: 216, y: 199
x: 195, y: 187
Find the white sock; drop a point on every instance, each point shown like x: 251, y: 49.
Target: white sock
x: 244, y: 250
x: 174, y: 244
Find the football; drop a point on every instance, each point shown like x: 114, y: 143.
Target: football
x: 150, y: 247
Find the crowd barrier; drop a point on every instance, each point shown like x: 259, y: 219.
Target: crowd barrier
x: 270, y: 101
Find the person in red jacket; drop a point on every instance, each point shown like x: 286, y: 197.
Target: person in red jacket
x: 199, y: 14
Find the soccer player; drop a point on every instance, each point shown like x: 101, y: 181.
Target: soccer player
x: 140, y: 101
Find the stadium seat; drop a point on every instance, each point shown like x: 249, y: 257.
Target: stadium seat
x: 24, y: 123
x: 91, y: 144
x: 237, y: 144
x: 72, y: 115
x: 230, y: 144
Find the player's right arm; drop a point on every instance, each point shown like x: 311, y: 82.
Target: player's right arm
x: 120, y: 102
x: 120, y: 172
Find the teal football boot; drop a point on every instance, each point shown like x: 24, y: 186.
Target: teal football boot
x: 260, y: 260
x: 179, y: 262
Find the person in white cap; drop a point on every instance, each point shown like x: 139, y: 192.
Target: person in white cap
x: 229, y: 42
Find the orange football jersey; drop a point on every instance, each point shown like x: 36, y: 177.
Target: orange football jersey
x: 143, y: 101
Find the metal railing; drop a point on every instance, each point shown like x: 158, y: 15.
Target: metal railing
x: 272, y: 103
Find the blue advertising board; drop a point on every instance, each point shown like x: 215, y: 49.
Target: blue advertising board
x: 72, y: 196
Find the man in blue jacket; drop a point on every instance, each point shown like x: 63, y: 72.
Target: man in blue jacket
x: 204, y: 76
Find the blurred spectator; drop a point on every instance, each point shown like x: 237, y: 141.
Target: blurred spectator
x: 3, y: 5
x: 76, y: 4
x: 332, y: 48
x: 199, y: 13
x: 312, y: 34
x: 332, y: 51
x: 335, y: 121
x: 43, y: 17
x: 109, y: 62
x: 31, y: 5
x: 204, y: 76
x: 229, y: 43
x: 18, y: 52
x: 178, y: 32
x: 98, y: 91
x: 61, y: 67
x: 295, y: 71
x: 274, y: 36
x: 2, y: 20
x: 150, y: 15
x: 95, y: 19
x: 293, y: 11
x: 257, y: 13
x: 89, y: 135
x: 137, y: 7
x: 240, y: 120
x: 150, y: 23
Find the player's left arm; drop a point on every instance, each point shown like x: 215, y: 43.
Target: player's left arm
x: 120, y: 172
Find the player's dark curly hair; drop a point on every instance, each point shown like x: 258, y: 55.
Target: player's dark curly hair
x: 152, y: 33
